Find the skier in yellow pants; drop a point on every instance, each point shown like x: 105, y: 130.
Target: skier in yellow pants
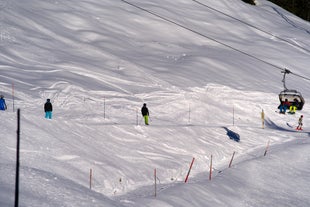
x: 145, y: 114
x: 292, y: 109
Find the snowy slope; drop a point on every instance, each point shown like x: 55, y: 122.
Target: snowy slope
x: 201, y: 66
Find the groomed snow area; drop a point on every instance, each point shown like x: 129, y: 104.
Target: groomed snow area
x: 205, y: 68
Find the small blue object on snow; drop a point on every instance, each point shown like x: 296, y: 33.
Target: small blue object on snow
x: 232, y: 135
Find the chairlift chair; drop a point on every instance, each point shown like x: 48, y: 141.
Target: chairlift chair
x: 292, y: 96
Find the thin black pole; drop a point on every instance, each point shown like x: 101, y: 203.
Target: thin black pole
x: 17, y: 160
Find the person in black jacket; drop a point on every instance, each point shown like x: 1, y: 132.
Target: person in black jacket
x: 145, y: 114
x: 48, y: 108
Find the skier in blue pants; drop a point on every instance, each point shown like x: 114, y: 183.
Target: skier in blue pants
x: 48, y: 108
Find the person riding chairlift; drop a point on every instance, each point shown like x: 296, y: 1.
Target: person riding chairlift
x: 284, y: 106
x: 294, y: 106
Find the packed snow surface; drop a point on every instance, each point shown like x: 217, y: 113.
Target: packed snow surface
x: 206, y: 70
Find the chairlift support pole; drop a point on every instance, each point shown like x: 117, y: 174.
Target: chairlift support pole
x: 285, y: 71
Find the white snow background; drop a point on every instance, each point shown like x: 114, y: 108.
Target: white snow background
x: 203, y: 67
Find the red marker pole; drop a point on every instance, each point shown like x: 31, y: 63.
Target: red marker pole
x: 13, y: 97
x: 267, y: 147
x: 90, y: 178
x: 155, y: 182
x: 210, y: 174
x: 189, y: 171
x: 231, y: 159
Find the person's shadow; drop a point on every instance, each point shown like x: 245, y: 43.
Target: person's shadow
x: 232, y: 135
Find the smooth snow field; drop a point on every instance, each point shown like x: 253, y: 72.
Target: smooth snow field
x: 206, y: 70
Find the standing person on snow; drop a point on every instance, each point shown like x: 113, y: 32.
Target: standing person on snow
x: 299, y: 127
x: 3, y: 106
x: 48, y: 108
x: 145, y: 114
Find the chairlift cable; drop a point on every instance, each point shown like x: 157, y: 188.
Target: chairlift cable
x: 286, y: 71
x: 203, y: 35
x: 300, y: 76
x: 261, y: 30
x: 212, y: 39
x: 253, y: 26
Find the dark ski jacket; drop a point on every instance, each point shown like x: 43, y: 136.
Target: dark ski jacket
x: 144, y: 111
x: 48, y: 106
x: 2, y: 104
